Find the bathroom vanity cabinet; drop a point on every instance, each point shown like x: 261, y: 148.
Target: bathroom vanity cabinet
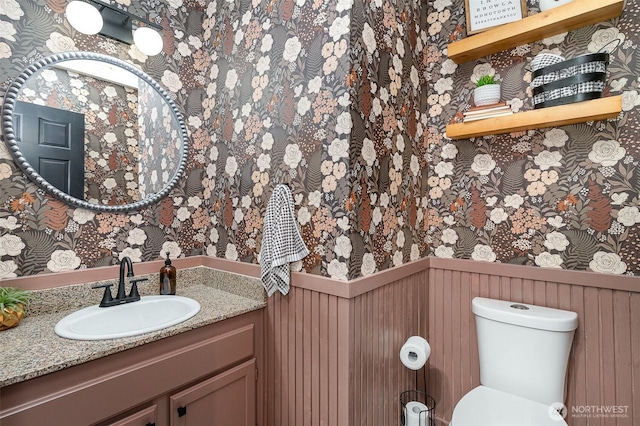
x: 209, y: 375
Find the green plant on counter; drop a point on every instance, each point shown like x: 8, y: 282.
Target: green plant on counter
x: 10, y: 297
x: 486, y: 79
x: 12, y: 306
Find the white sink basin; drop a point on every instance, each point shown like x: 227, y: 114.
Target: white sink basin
x: 150, y: 313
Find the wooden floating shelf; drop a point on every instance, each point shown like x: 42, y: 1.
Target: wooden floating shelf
x: 571, y: 16
x: 593, y: 110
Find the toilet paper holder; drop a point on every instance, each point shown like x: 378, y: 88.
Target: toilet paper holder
x: 417, y: 408
x: 415, y: 352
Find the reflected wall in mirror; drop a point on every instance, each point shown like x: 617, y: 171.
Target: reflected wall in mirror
x: 94, y: 131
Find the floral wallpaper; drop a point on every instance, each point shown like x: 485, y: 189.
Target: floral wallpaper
x: 387, y: 201
x: 272, y: 92
x: 345, y: 101
x: 277, y: 111
x: 40, y: 234
x: 324, y: 97
x: 158, y: 144
x: 110, y: 111
x: 565, y: 197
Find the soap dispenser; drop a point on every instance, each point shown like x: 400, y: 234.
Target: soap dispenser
x: 168, y: 277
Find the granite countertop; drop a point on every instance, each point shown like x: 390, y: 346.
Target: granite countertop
x: 33, y: 349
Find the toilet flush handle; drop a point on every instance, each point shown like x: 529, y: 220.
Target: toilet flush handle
x: 519, y: 306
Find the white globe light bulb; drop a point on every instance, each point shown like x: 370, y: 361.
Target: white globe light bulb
x: 148, y: 40
x: 84, y: 17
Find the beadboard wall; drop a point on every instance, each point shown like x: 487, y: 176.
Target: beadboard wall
x: 332, y: 349
x: 604, y: 367
x: 332, y: 359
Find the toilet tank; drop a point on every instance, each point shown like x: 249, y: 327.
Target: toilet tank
x: 524, y: 349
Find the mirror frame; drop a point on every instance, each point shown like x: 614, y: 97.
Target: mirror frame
x: 9, y: 104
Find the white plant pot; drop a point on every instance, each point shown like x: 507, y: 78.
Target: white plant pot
x: 486, y: 95
x: 550, y: 4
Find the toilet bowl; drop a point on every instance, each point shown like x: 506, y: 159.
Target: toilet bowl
x: 484, y: 406
x: 523, y: 355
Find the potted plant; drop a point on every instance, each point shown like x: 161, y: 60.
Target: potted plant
x: 487, y: 91
x: 12, y: 306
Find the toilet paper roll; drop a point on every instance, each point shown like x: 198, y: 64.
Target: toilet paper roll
x: 412, y: 414
x: 415, y: 352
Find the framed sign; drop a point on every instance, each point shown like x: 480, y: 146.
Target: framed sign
x: 484, y: 14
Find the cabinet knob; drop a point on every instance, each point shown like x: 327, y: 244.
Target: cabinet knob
x: 182, y: 411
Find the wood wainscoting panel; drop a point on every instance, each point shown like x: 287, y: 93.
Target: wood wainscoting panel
x: 383, y: 319
x: 604, y: 365
x: 333, y: 357
x: 332, y: 360
x: 307, y: 359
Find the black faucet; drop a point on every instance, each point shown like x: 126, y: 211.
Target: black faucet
x: 121, y: 297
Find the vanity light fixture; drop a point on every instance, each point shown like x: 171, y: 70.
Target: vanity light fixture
x: 96, y: 17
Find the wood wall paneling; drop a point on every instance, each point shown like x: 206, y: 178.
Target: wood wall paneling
x: 333, y: 360
x: 604, y: 366
x: 383, y: 319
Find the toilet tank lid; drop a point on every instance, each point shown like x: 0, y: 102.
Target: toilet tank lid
x: 524, y: 314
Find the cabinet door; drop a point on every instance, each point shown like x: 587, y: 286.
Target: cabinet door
x: 146, y: 417
x: 227, y: 399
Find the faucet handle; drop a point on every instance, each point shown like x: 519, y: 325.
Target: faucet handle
x: 134, y: 288
x: 107, y: 298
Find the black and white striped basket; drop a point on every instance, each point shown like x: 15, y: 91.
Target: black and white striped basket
x: 556, y: 81
x: 573, y: 80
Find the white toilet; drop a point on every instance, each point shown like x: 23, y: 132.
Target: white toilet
x: 523, y: 350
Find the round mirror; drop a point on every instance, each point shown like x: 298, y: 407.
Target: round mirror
x: 94, y: 131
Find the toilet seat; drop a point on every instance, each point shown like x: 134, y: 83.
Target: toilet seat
x: 484, y: 406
